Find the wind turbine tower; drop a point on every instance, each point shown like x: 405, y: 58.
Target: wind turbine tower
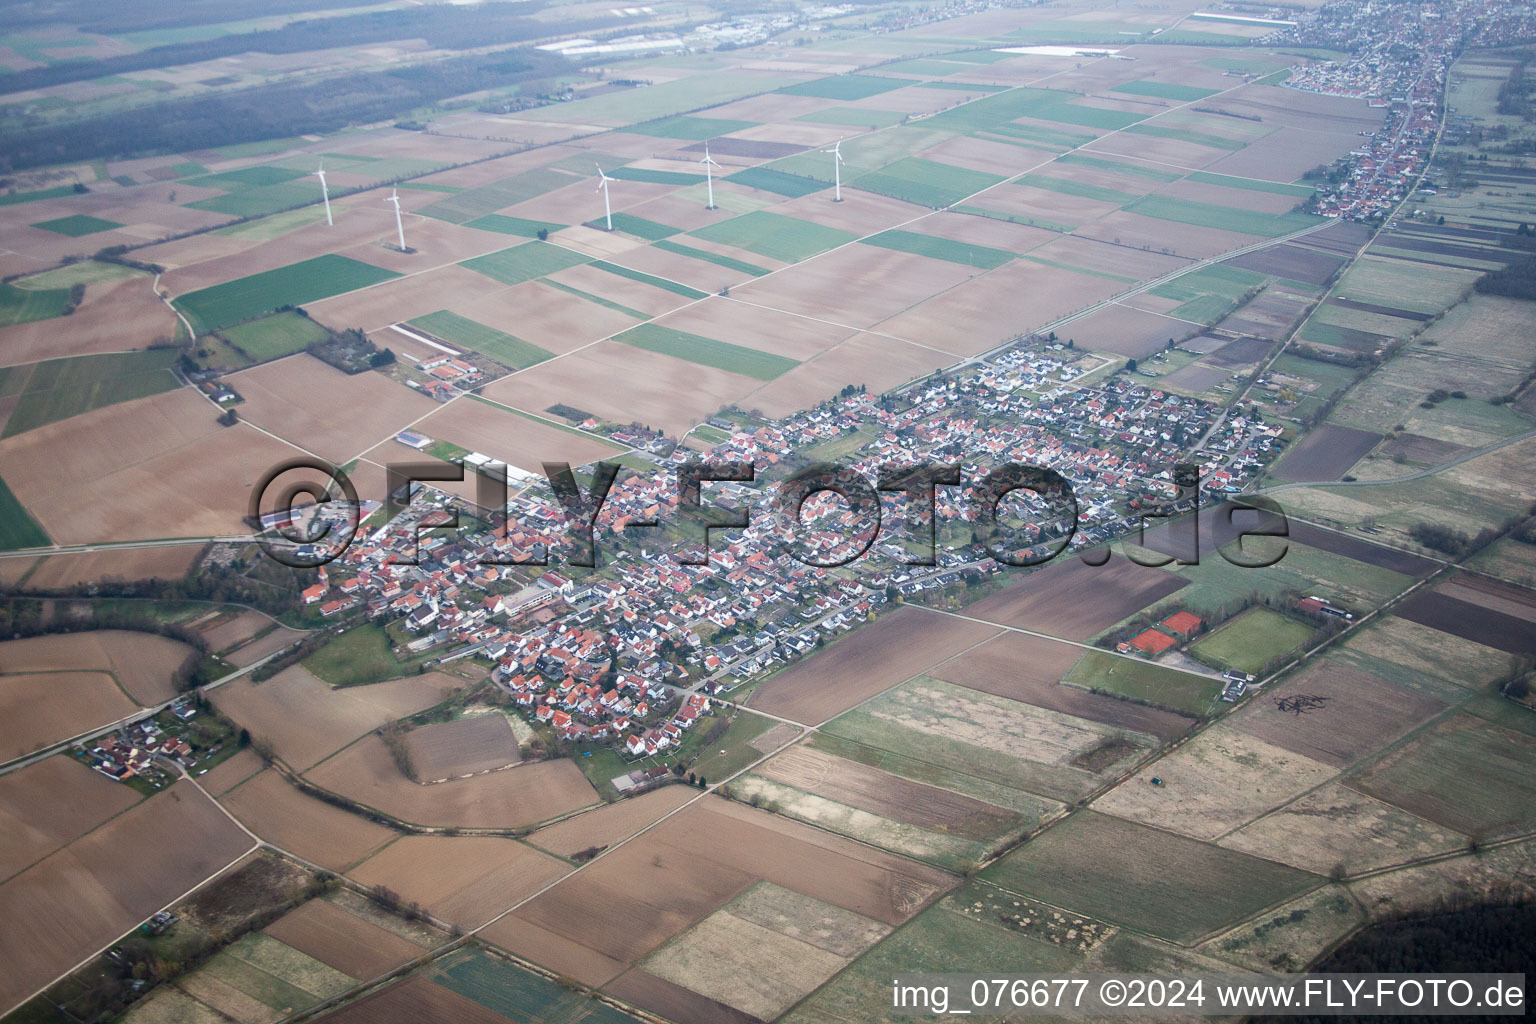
x: 837, y: 170
x: 602, y: 186
x: 709, y: 178
x: 325, y: 194
x: 394, y: 198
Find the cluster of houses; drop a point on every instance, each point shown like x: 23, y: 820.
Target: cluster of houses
x: 620, y: 653
x: 131, y: 751
x: 1400, y: 53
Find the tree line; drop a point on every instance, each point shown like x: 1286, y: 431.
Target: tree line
x: 443, y: 27
x: 273, y: 111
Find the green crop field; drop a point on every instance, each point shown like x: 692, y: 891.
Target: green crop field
x: 71, y: 274
x: 970, y: 87
x: 275, y: 336
x: 628, y: 223
x: 1144, y: 681
x: 650, y: 279
x: 248, y: 177
x: 775, y: 235
x: 1186, y: 135
x: 707, y: 351
x: 1081, y: 189
x: 589, y: 297
x: 511, y: 352
x: 655, y: 177
x: 1049, y: 138
x: 1207, y: 309
x: 1428, y: 777
x: 1144, y: 878
x: 993, y: 113
x: 502, y: 987
x: 692, y: 128
x: 980, y: 56
x: 733, y: 751
x: 483, y: 200
x: 947, y: 249
x: 845, y: 87
x: 1247, y: 65
x: 504, y: 225
x: 934, y: 67
x: 1252, y: 184
x: 12, y: 198
x: 769, y: 180
x: 77, y: 224
x: 265, y: 229
x: 925, y: 182
x: 857, y: 116
x: 1403, y: 285
x: 1079, y: 270
x: 358, y: 656
x: 23, y: 305
x: 261, y: 200
x: 525, y: 262
x: 727, y: 262
x: 427, y: 186
x: 1189, y: 37
x: 60, y: 388
x: 1066, y: 112
x: 1229, y: 282
x: 1165, y: 90
x: 1136, y: 170
x: 1252, y: 640
x: 1226, y: 218
x: 17, y: 527
x: 246, y: 298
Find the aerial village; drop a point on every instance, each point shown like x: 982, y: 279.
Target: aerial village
x: 1400, y: 55
x: 629, y: 652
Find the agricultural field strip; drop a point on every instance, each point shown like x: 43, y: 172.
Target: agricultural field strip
x: 903, y: 224
x: 1138, y: 659
x: 1400, y: 741
x: 1344, y: 269
x: 455, y: 943
x: 1374, y: 872
x: 1293, y: 663
x: 149, y: 712
x: 256, y: 845
x: 1449, y: 711
x: 806, y: 730
x: 1431, y: 471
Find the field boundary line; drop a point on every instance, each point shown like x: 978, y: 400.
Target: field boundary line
x: 206, y: 881
x: 145, y: 711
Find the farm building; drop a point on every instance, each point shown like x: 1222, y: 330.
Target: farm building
x: 411, y: 439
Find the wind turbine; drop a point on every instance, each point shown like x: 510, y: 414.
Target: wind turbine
x: 602, y: 186
x: 394, y: 197
x: 709, y: 177
x: 837, y: 169
x: 325, y: 194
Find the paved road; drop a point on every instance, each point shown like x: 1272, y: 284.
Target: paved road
x: 137, y: 716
